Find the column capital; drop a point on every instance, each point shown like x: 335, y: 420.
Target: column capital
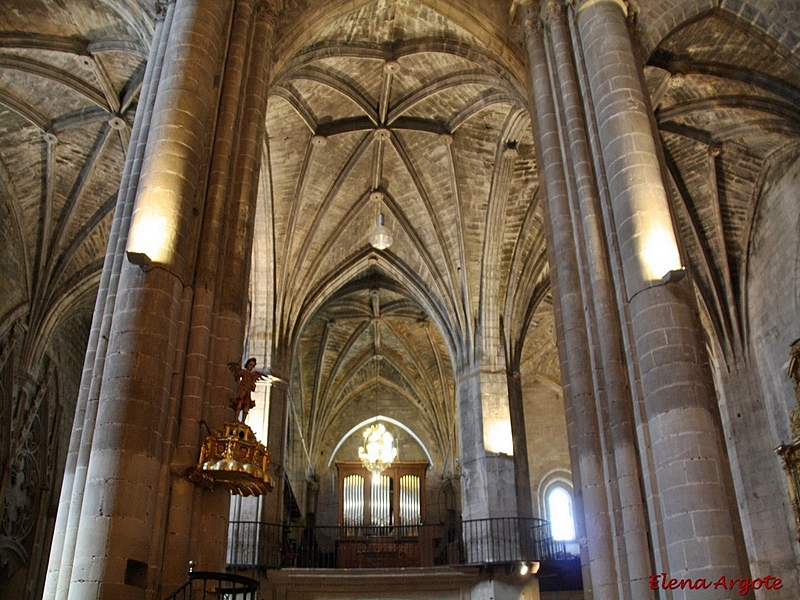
x: 532, y: 25
x: 530, y: 17
x: 264, y: 5
x: 161, y: 8
x: 266, y: 8
x: 552, y: 11
x: 267, y: 13
x: 522, y: 11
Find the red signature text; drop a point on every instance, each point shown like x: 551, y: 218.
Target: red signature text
x: 742, y: 584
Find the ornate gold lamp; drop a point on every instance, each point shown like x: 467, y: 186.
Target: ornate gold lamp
x: 233, y: 459
x: 790, y: 453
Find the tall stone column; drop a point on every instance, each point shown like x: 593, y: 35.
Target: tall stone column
x: 239, y: 233
x: 522, y: 477
x: 488, y: 483
x: 117, y: 536
x: 611, y: 378
x: 489, y: 469
x: 689, y: 500
x: 750, y: 438
x: 196, y: 521
x: 579, y: 393
x: 72, y: 490
x: 272, y: 508
x: 487, y: 451
x: 488, y: 474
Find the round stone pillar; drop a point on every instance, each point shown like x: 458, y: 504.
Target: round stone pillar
x: 602, y: 316
x: 62, y: 550
x: 120, y: 531
x: 689, y: 502
x: 598, y: 551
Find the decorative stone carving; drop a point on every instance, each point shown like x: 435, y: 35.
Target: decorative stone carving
x: 790, y: 453
x: 20, y: 505
x: 21, y: 499
x: 391, y: 67
x: 117, y: 122
x: 552, y: 11
x: 794, y: 373
x: 161, y: 9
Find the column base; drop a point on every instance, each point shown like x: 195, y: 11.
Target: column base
x: 506, y: 587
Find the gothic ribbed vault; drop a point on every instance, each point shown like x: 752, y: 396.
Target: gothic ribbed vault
x: 392, y: 108
x: 416, y: 109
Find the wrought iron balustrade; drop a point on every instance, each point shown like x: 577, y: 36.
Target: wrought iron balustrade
x: 208, y: 585
x: 482, y: 541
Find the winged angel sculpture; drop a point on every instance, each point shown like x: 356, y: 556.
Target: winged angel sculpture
x: 247, y: 377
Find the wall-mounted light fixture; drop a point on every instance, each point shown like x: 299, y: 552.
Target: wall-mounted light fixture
x: 140, y: 259
x: 497, y: 435
x: 674, y: 275
x: 660, y: 253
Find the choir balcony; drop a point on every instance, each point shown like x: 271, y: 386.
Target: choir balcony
x: 509, y: 541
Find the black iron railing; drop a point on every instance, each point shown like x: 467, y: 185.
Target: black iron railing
x: 205, y: 585
x: 482, y: 541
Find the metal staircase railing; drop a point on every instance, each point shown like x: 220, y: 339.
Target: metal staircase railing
x: 209, y: 585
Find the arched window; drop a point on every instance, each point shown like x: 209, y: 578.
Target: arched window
x: 560, y: 514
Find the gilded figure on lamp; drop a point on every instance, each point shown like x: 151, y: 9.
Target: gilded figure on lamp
x: 247, y: 377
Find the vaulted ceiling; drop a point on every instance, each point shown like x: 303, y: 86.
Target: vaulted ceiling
x: 392, y: 108
x: 396, y: 107
x: 727, y: 104
x: 69, y: 82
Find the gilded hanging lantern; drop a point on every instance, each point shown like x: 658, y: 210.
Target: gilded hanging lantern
x: 232, y: 458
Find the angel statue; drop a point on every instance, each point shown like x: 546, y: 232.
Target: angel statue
x: 247, y: 377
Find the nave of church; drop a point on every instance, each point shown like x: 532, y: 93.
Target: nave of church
x: 520, y: 279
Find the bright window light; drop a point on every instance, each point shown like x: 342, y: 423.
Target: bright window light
x: 559, y: 509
